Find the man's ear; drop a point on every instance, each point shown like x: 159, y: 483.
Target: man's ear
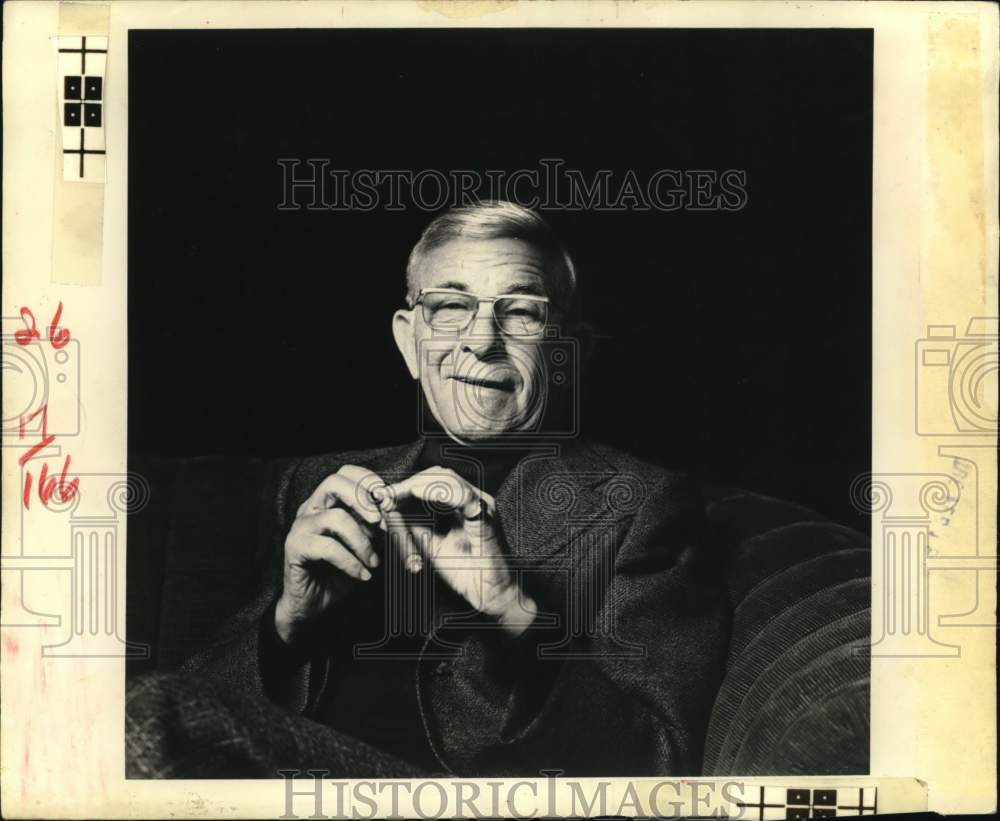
x: 403, y: 333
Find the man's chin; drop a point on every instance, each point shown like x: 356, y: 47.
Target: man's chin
x: 482, y: 421
x: 485, y: 432
x: 479, y: 434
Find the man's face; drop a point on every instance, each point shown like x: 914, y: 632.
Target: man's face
x: 479, y: 383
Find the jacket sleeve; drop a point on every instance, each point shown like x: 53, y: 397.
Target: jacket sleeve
x: 630, y: 696
x: 246, y: 653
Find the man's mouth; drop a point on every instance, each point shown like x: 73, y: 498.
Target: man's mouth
x: 502, y: 383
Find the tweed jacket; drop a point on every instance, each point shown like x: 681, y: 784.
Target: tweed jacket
x: 619, y: 671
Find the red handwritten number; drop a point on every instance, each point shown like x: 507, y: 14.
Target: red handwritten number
x: 47, y: 485
x: 25, y: 335
x: 47, y: 438
x: 58, y: 337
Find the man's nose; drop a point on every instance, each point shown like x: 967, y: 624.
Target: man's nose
x: 482, y: 333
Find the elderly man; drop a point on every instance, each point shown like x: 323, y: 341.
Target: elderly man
x: 497, y: 598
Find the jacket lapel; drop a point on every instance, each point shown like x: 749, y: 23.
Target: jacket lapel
x: 549, y: 495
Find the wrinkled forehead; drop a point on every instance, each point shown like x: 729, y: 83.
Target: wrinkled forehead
x: 484, y: 266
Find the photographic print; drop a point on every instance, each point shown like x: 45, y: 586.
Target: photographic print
x: 580, y: 320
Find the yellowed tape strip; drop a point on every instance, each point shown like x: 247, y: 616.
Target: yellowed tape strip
x: 84, y: 18
x: 78, y: 207
x: 956, y: 161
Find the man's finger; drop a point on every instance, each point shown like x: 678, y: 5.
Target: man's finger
x: 331, y: 551
x: 444, y: 489
x: 410, y: 542
x: 341, y: 489
x: 372, y: 487
x: 341, y: 524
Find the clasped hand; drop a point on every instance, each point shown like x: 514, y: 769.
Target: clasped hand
x: 331, y: 545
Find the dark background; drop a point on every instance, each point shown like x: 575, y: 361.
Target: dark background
x: 738, y: 343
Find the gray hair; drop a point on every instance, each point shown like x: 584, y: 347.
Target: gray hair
x: 497, y: 219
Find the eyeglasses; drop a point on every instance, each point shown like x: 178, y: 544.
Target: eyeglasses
x: 453, y: 311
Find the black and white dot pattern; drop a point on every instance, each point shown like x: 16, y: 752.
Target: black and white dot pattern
x: 801, y: 803
x: 82, y: 63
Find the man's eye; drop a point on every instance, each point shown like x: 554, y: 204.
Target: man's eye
x: 452, y: 306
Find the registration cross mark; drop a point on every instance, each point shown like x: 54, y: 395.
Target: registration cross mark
x: 83, y: 51
x: 760, y: 806
x: 83, y: 150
